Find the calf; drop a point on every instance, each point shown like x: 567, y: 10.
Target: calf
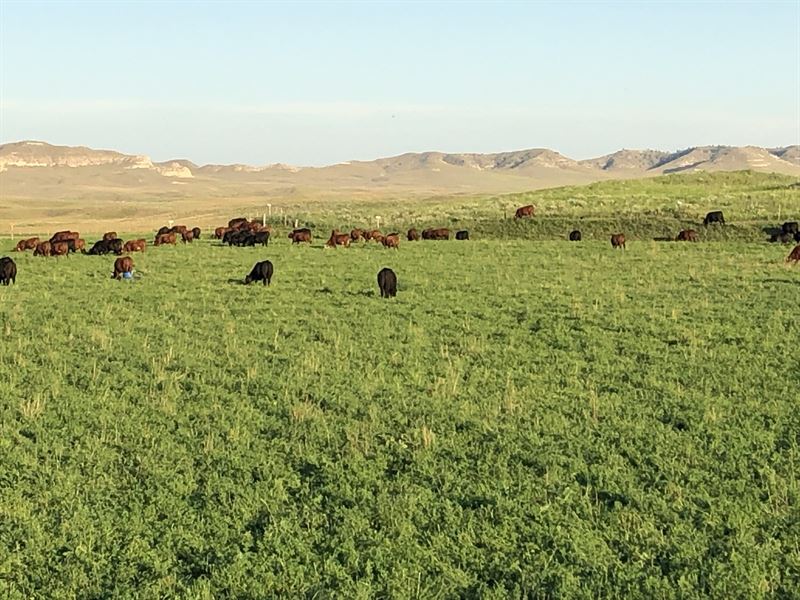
x: 575, y: 236
x: 8, y: 271
x: 462, y: 235
x: 300, y: 235
x: 688, y: 235
x: 387, y: 282
x: 262, y: 271
x: 122, y: 265
x: 715, y: 216
x: 413, y: 235
x: 135, y: 246
x: 618, y: 240
x: 392, y: 240
x: 525, y: 211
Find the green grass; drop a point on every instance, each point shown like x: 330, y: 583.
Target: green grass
x: 525, y: 419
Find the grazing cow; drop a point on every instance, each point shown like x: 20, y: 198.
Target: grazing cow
x: 8, y: 271
x: 618, y: 240
x: 115, y: 246
x: 387, y: 282
x: 178, y: 229
x: 783, y: 238
x: 28, y: 244
x: 62, y: 236
x: 237, y: 223
x: 413, y: 235
x: 790, y: 227
x: 356, y: 234
x: 374, y: 235
x: 262, y: 271
x: 163, y: 231
x: 259, y: 237
x: 219, y: 232
x: 165, y: 238
x: 794, y: 255
x: 575, y: 236
x: 525, y: 211
x: 110, y: 235
x: 59, y: 249
x: 715, y: 216
x: 196, y: 233
x: 300, y: 235
x: 462, y: 235
x: 688, y: 235
x: 187, y: 236
x: 338, y: 239
x: 122, y: 265
x: 100, y: 247
x: 392, y: 240
x: 436, y: 234
x: 76, y: 245
x: 135, y: 246
x: 43, y: 249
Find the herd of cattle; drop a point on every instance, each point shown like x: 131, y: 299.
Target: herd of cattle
x: 243, y: 232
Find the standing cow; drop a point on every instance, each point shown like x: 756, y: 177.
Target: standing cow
x: 715, y: 216
x: 618, y: 240
x: 413, y: 235
x: 575, y: 236
x: 462, y: 235
x: 8, y: 271
x: 262, y: 271
x: 387, y: 282
x: 688, y: 235
x: 525, y: 211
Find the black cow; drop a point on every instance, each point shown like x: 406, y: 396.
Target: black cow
x: 387, y: 281
x: 462, y: 235
x: 575, y: 236
x: 715, y: 216
x: 101, y: 247
x: 262, y: 271
x: 8, y: 271
x: 790, y: 227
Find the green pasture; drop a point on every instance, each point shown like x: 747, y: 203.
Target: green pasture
x: 528, y: 418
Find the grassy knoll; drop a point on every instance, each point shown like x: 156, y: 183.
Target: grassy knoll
x: 525, y: 419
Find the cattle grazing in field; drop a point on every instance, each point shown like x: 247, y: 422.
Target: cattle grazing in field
x: 412, y: 235
x: 122, y: 265
x: 387, y: 282
x: 375, y: 235
x: 462, y: 235
x: 618, y: 240
x: 391, y: 240
x: 575, y: 236
x: 688, y: 235
x: 8, y: 271
x: 135, y: 246
x: 110, y: 235
x: 338, y: 239
x: 244, y: 237
x: 187, y: 236
x: 300, y: 235
x: 794, y: 255
x: 101, y: 247
x: 237, y: 223
x: 115, y: 246
x: 196, y: 233
x: 59, y: 249
x: 76, y: 245
x: 220, y: 232
x: 165, y: 238
x: 790, y: 227
x: 62, y: 236
x: 441, y: 233
x: 261, y: 271
x: 356, y: 234
x: 178, y: 230
x: 42, y: 249
x: 28, y: 244
x: 525, y: 211
x: 715, y: 216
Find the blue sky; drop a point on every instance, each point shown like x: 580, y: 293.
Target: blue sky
x: 318, y: 83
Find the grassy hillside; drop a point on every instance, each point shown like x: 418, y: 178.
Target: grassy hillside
x: 524, y: 420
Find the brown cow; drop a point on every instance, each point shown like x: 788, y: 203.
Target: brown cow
x: 794, y: 255
x: 135, y: 246
x: 436, y: 234
x: 187, y: 236
x: 165, y: 238
x: 413, y: 235
x: 29, y: 244
x: 688, y: 235
x: 219, y: 232
x: 357, y: 235
x: 375, y: 234
x: 338, y: 239
x: 178, y: 229
x: 61, y: 236
x: 43, y: 249
x: 59, y: 249
x: 237, y: 223
x: 392, y: 240
x: 77, y: 245
x: 196, y: 233
x: 525, y: 211
x: 618, y: 240
x: 300, y: 235
x: 123, y: 264
x: 110, y: 235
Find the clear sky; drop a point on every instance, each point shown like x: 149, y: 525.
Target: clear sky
x: 318, y: 83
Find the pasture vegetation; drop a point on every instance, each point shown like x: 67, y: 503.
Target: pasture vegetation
x: 526, y: 419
